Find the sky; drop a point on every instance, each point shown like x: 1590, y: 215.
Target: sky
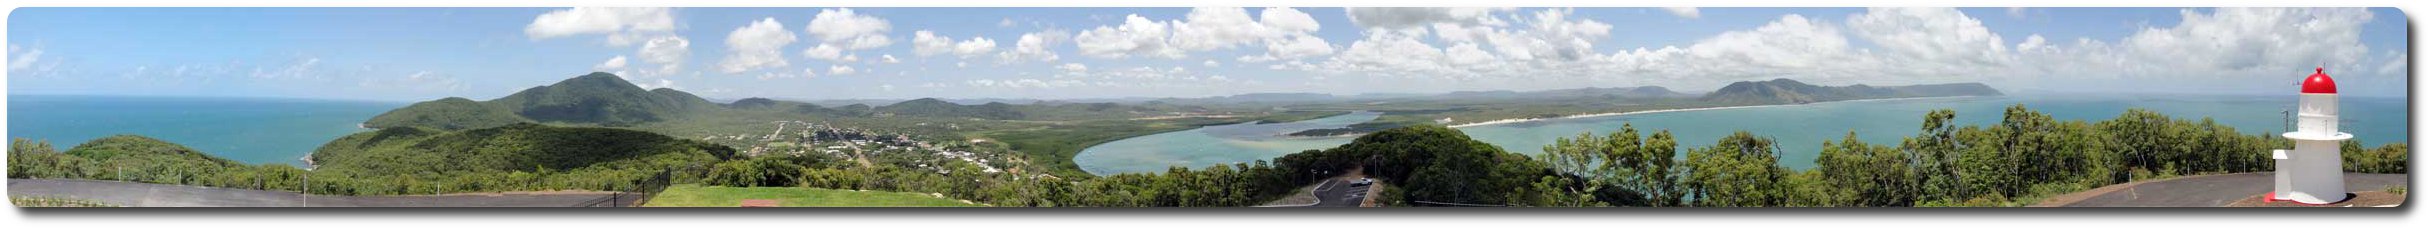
x: 414, y: 54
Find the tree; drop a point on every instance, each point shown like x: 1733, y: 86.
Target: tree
x: 1854, y: 173
x: 1740, y: 171
x: 1934, y: 151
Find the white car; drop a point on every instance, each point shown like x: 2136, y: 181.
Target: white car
x: 1363, y: 182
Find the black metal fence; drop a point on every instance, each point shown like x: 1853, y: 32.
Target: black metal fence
x: 639, y: 194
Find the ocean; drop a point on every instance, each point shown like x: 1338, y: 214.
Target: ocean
x: 1799, y: 130
x: 249, y: 130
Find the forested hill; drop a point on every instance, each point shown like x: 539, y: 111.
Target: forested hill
x: 510, y: 148
x: 1785, y: 91
x: 932, y: 107
x: 597, y: 98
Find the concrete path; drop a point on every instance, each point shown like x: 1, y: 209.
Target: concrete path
x: 130, y: 194
x: 2207, y: 191
x: 1340, y: 193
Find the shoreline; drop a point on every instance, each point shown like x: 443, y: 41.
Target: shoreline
x: 1524, y: 120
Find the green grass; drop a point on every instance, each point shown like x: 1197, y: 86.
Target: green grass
x: 707, y: 196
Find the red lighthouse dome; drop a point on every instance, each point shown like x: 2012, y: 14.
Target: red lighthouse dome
x: 2319, y: 82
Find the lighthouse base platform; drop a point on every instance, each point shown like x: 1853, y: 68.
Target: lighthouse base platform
x: 2372, y: 198
x: 2222, y: 190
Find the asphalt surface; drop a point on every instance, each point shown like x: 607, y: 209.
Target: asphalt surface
x: 130, y: 194
x: 1339, y: 193
x: 2216, y: 191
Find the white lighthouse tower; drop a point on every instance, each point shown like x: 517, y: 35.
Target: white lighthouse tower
x: 2311, y: 173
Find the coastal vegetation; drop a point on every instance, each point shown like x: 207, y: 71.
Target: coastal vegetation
x: 710, y: 196
x: 2025, y: 157
x: 397, y: 161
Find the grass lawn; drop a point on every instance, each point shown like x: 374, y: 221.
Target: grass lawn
x: 708, y: 196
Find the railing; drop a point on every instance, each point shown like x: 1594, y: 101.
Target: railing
x: 639, y: 194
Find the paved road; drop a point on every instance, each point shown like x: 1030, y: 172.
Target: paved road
x: 129, y: 194
x: 1340, y: 193
x: 2216, y: 191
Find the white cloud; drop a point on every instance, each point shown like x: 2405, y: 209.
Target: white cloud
x: 616, y: 63
x: 2250, y: 39
x: 2395, y: 65
x: 623, y: 25
x: 974, y: 47
x: 1209, y: 28
x: 756, y: 46
x: 1034, y: 47
x: 1286, y: 32
x: 1792, y: 43
x: 1930, y: 34
x: 889, y: 59
x: 1073, y: 67
x: 667, y: 52
x: 1412, y: 17
x: 828, y: 52
x: 1546, y: 44
x: 840, y: 70
x: 1006, y: 23
x: 1288, y: 20
x: 1293, y: 47
x: 1392, y: 54
x: 1683, y: 12
x: 850, y: 30
x: 1137, y: 36
x: 925, y: 43
x: 2225, y: 44
x: 1212, y: 63
x: 23, y: 60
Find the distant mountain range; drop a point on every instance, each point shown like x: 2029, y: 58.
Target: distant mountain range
x: 607, y: 100
x: 1785, y: 91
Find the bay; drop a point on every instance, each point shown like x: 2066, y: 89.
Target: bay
x: 249, y: 130
x: 1799, y: 130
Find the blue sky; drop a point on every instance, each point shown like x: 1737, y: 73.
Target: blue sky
x: 412, y: 54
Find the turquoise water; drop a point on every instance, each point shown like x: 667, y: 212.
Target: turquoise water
x: 250, y: 130
x: 1799, y: 129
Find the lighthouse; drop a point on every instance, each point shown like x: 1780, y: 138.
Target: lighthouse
x: 2311, y: 172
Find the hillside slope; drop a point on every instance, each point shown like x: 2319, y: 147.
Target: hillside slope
x: 1785, y: 91
x: 595, y: 99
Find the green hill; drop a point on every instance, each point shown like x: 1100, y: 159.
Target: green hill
x: 518, y: 147
x: 932, y: 107
x: 752, y: 103
x: 1785, y: 91
x: 450, y: 113
x: 596, y: 99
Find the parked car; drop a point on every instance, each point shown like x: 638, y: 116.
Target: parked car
x: 1363, y: 182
